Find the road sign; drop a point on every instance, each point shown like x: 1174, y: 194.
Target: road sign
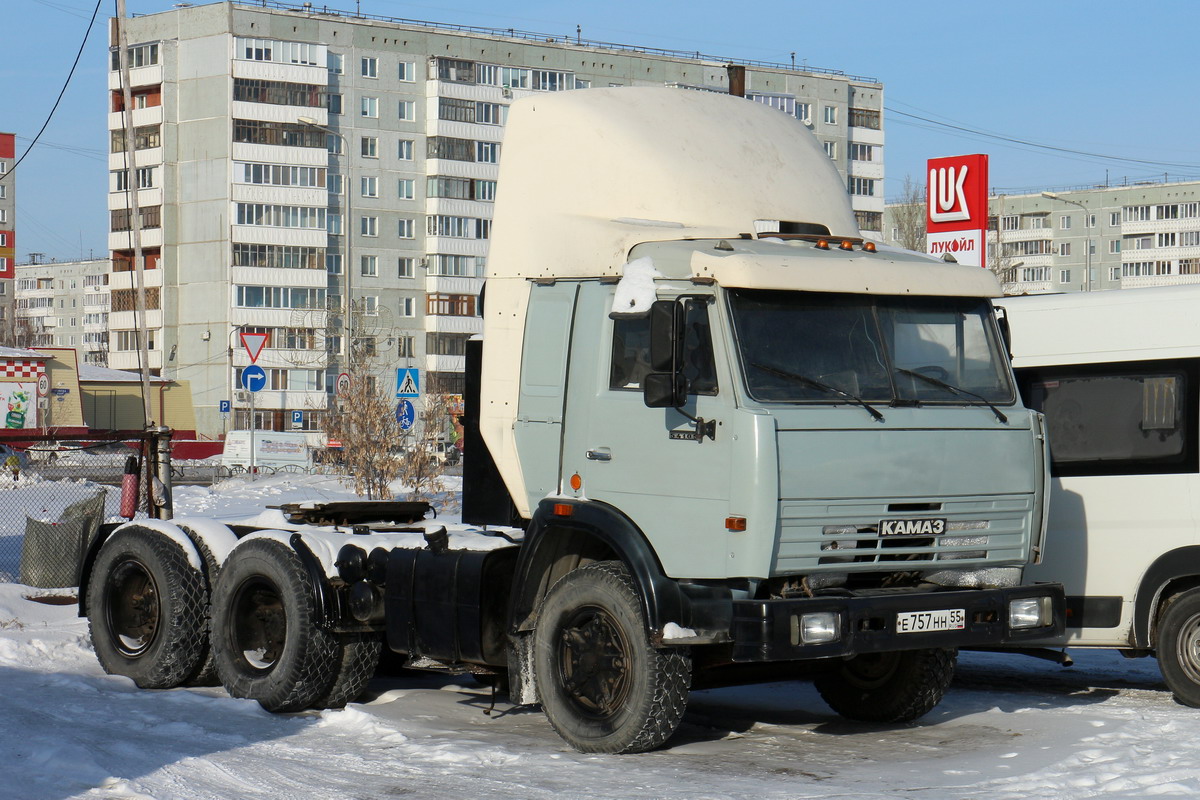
x: 297, y: 419
x: 343, y: 384
x: 254, y: 344
x: 408, y: 382
x: 253, y: 378
x: 224, y: 406
x: 406, y: 415
x: 43, y: 387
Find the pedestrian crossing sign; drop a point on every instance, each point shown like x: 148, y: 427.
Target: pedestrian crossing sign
x: 408, y: 382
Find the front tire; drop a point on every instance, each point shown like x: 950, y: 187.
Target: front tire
x: 266, y: 641
x: 146, y: 609
x: 888, y: 687
x: 604, y: 687
x: 1178, y: 646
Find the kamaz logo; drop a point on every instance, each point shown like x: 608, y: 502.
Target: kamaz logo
x: 947, y: 201
x: 912, y: 527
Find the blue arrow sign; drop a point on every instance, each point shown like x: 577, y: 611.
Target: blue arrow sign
x: 253, y: 378
x: 406, y: 415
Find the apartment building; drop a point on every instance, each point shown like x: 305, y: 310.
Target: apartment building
x: 314, y: 175
x: 1091, y: 238
x: 64, y: 304
x: 8, y: 237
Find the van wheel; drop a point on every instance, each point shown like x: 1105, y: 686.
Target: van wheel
x: 1178, y: 646
x: 266, y: 642
x: 604, y: 687
x: 146, y: 609
x: 888, y: 687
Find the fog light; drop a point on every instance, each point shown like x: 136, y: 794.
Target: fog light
x: 817, y: 627
x: 1030, y: 612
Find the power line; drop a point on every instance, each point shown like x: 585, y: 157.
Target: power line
x: 1039, y: 146
x: 63, y: 91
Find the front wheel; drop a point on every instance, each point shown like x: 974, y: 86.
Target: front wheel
x: 888, y: 687
x: 266, y: 641
x: 1178, y: 646
x: 604, y: 687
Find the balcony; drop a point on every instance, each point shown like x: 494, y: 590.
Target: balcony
x: 1028, y: 287
x: 1143, y: 281
x: 130, y: 360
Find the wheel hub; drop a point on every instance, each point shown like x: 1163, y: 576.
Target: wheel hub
x: 132, y: 608
x: 594, y: 663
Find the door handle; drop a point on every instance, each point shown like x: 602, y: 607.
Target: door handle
x: 599, y: 454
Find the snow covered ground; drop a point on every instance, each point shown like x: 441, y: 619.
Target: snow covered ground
x: 1010, y: 728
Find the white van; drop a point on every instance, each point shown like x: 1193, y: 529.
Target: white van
x: 273, y: 450
x: 1117, y: 374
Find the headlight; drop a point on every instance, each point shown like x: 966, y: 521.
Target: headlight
x: 816, y: 627
x: 1030, y: 612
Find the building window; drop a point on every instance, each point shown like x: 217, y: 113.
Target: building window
x: 869, y: 220
x: 139, y: 55
x: 279, y: 256
x: 369, y: 266
x: 1064, y: 276
x: 368, y: 226
x: 404, y: 267
x: 405, y: 188
x: 287, y: 134
x: 406, y: 229
x: 275, y: 297
x: 278, y: 93
x: 830, y: 149
x: 450, y: 148
x: 370, y: 186
x: 333, y: 143
x: 863, y: 187
x: 122, y: 218
x: 407, y: 71
x: 831, y: 115
x: 407, y: 307
x: 1189, y: 266
x: 277, y: 175
x: 404, y: 150
x: 370, y: 147
x: 1166, y: 239
x: 1035, y: 274
x: 335, y: 103
x: 276, y: 51
x: 490, y: 113
x: 333, y: 263
x: 405, y: 346
x: 803, y: 113
x: 334, y: 226
x: 487, y: 152
x: 453, y: 109
x: 1189, y: 238
x: 514, y: 78
x: 484, y: 190
x: 1064, y: 249
x: 336, y: 63
x: 336, y: 183
x: 144, y: 138
x: 544, y: 80
x: 862, y: 152
x: 1064, y: 222
x: 408, y: 110
x: 369, y: 106
x: 450, y: 266
x: 486, y: 74
x: 1011, y: 222
x: 864, y: 118
x: 281, y: 216
x: 1114, y: 246
x: 455, y: 71
x: 1136, y: 213
x: 450, y: 305
x: 370, y: 67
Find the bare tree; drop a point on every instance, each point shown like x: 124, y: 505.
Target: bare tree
x: 909, y: 216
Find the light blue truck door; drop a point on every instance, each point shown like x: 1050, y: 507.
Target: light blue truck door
x: 539, y: 422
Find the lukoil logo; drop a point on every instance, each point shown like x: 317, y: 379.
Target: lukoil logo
x: 960, y: 245
x: 947, y: 201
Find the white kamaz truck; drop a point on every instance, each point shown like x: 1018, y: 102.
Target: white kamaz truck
x: 729, y: 439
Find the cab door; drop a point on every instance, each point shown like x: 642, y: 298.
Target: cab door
x: 649, y: 462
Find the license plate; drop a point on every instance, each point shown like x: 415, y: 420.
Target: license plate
x: 950, y: 619
x: 912, y: 527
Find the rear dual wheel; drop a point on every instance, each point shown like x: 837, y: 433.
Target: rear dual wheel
x: 888, y: 687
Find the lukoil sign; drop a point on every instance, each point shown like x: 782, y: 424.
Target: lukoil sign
x: 956, y: 222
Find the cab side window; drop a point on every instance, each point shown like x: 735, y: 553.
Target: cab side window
x: 631, y: 351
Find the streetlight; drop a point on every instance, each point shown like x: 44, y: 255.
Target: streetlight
x: 347, y: 332
x: 1087, y: 255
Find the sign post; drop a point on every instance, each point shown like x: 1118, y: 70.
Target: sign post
x: 956, y: 222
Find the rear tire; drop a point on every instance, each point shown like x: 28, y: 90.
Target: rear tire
x: 146, y: 609
x: 604, y: 687
x: 267, y: 644
x: 357, y: 662
x: 1178, y: 646
x: 888, y: 687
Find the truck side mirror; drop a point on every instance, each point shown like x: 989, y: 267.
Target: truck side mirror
x: 1005, y: 329
x: 666, y: 335
x: 664, y: 390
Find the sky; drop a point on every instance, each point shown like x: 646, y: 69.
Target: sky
x: 1060, y: 94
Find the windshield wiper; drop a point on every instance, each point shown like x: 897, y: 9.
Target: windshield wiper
x: 816, y: 384
x: 954, y: 390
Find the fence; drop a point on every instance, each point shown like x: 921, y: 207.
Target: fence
x: 53, y: 495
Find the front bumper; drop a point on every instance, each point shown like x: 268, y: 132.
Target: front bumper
x: 767, y: 630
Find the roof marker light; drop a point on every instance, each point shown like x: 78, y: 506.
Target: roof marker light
x: 869, y: 247
x: 822, y: 244
x: 846, y: 245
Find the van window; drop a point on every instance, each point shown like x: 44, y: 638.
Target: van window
x: 1127, y: 418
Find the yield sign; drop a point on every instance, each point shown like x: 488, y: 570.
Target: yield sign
x: 254, y: 343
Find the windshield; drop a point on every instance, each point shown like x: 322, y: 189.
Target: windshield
x: 810, y: 347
